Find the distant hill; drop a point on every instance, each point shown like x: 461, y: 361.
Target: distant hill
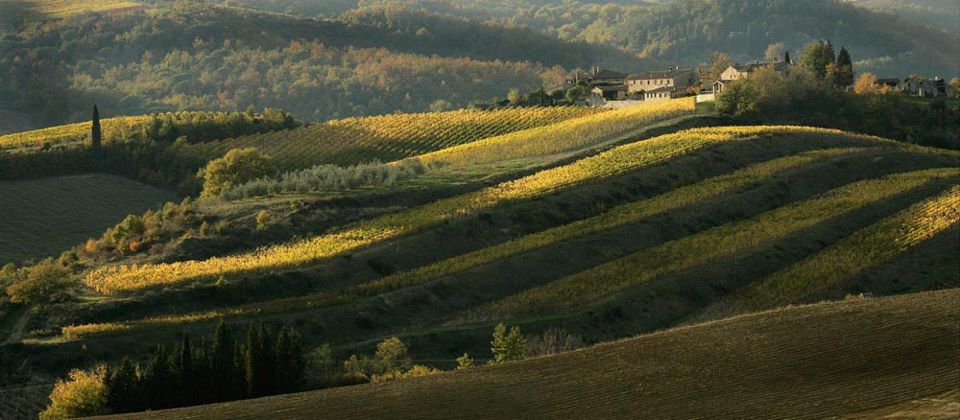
x: 922, y: 37
x: 817, y: 361
x: 194, y: 55
x: 690, y: 30
x: 940, y: 14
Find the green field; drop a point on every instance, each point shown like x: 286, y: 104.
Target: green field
x: 815, y: 361
x: 44, y: 217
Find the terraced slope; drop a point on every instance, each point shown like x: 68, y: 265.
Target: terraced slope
x: 808, y: 362
x: 637, y: 225
x: 386, y: 138
x: 44, y: 217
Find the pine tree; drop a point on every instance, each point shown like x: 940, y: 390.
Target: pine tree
x: 95, y: 133
x: 507, y: 346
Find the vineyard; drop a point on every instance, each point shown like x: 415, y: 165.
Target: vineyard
x: 570, y: 135
x: 385, y: 138
x: 864, y: 249
x: 609, y: 238
x: 724, y: 241
x: 196, y: 126
x: 55, y: 214
x: 70, y: 134
x: 117, y: 279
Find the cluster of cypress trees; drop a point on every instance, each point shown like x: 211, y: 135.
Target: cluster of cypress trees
x: 196, y: 373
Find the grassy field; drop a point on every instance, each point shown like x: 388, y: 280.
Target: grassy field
x: 44, y: 217
x: 386, y: 138
x: 817, y: 361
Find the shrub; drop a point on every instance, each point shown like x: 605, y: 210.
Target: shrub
x: 82, y: 395
x: 553, y: 341
x: 237, y: 167
x: 464, y: 362
x: 42, y: 283
x: 393, y: 354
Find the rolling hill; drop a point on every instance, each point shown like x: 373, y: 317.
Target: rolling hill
x: 54, y: 214
x: 817, y: 361
x: 774, y: 197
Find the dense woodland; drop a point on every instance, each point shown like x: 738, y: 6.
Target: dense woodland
x: 687, y: 31
x: 373, y: 61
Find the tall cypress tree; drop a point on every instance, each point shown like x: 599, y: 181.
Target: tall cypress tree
x: 256, y: 361
x: 786, y: 57
x: 95, y: 133
x: 222, y: 364
x: 122, y: 388
x: 844, y: 68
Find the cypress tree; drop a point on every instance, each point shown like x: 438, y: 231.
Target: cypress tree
x: 786, y: 57
x: 222, y: 364
x: 95, y: 133
x: 122, y: 390
x: 156, y: 389
x: 845, y: 68
x: 257, y: 361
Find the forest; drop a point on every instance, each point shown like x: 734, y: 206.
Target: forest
x: 373, y: 61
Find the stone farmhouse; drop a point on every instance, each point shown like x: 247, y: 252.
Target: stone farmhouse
x: 740, y: 71
x: 614, y: 89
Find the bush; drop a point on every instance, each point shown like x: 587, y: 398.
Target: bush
x: 82, y: 395
x: 42, y: 283
x: 393, y: 354
x: 237, y: 167
x: 327, y: 178
x: 553, y: 341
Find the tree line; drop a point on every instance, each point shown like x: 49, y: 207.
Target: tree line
x: 266, y: 363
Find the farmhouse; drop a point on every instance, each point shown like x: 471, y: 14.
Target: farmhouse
x: 675, y: 79
x: 597, y: 77
x: 923, y: 87
x: 740, y: 71
x: 608, y: 93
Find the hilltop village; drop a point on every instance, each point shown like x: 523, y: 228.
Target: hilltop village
x: 612, y: 89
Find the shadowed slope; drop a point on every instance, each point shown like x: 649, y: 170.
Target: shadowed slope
x: 808, y: 362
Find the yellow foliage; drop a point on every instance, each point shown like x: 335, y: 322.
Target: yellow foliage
x: 83, y: 395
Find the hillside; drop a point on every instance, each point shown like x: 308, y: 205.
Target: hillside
x: 815, y: 361
x: 890, y: 38
x: 373, y: 62
x: 940, y: 14
x: 650, y: 212
x: 54, y: 214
